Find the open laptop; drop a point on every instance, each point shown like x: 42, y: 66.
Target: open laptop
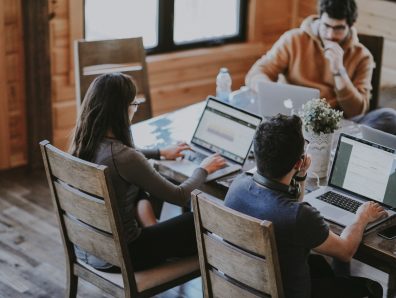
x: 275, y: 98
x: 224, y: 129
x: 361, y: 171
x: 378, y: 136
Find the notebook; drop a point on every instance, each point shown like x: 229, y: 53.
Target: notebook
x: 361, y: 171
x: 222, y: 128
x: 378, y: 136
x: 275, y: 98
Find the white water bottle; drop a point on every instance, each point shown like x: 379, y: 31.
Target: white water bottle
x: 223, y: 84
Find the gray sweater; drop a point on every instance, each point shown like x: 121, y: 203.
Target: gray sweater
x: 131, y: 173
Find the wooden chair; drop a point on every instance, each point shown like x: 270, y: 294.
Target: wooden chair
x: 375, y: 45
x: 93, y: 58
x: 88, y: 216
x: 237, y: 253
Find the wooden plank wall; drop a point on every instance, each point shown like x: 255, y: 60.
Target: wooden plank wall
x: 269, y: 19
x: 13, y: 150
x: 64, y: 110
x: 305, y: 8
x: 4, y: 128
x: 378, y: 17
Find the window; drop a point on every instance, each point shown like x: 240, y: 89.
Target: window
x: 167, y: 25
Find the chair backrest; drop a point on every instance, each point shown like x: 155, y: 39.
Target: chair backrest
x: 375, y: 45
x: 85, y: 204
x: 237, y: 253
x: 93, y: 58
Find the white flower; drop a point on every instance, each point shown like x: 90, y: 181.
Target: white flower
x: 319, y: 117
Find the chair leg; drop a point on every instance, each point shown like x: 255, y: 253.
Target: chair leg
x: 71, y: 286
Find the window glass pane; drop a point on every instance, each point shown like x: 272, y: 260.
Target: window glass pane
x: 106, y: 19
x: 198, y: 20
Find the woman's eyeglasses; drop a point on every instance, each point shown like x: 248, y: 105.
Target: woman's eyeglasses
x: 137, y: 102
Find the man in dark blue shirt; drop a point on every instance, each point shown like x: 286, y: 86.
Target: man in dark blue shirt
x: 275, y: 193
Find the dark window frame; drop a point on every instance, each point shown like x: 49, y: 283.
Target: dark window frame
x: 165, y: 30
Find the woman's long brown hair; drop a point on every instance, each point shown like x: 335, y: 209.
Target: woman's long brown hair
x: 104, y: 108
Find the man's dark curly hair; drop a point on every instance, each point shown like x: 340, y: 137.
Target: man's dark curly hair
x: 339, y: 9
x: 278, y: 144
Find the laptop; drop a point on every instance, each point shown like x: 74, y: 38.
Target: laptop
x: 275, y: 98
x: 221, y: 128
x: 378, y: 136
x: 361, y: 171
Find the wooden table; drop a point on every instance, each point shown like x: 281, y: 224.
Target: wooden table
x: 177, y: 126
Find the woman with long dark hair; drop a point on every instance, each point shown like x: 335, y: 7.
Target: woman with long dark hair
x: 103, y: 136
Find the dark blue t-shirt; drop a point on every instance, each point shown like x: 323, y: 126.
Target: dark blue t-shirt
x: 298, y: 228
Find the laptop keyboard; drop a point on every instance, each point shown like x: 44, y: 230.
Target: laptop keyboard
x: 196, y: 157
x: 340, y: 201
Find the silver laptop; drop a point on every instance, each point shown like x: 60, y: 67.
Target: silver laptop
x: 361, y: 171
x: 274, y: 98
x: 378, y: 136
x: 224, y: 129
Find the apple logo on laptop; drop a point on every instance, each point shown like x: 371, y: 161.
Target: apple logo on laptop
x: 288, y: 103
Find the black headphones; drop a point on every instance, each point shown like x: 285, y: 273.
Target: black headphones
x: 292, y: 190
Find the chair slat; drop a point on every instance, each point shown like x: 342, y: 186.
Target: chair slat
x: 222, y: 288
x: 63, y: 167
x: 100, y: 282
x: 116, y: 51
x: 227, y: 224
x: 136, y: 74
x: 109, y: 68
x: 236, y: 263
x: 82, y: 206
x: 88, y: 238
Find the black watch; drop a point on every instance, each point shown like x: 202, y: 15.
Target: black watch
x: 299, y: 178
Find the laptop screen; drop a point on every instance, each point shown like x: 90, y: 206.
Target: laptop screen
x: 274, y: 98
x: 366, y: 169
x: 378, y: 136
x: 227, y: 130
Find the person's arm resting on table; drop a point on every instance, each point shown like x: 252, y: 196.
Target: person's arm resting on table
x: 344, y: 247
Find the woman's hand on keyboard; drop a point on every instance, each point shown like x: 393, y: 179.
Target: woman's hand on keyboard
x: 370, y: 211
x: 213, y: 163
x: 173, y: 152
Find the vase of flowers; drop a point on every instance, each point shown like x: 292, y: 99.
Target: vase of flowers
x: 319, y: 121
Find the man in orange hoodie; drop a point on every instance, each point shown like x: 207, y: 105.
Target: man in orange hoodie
x: 325, y: 53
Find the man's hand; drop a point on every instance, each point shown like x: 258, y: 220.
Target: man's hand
x: 306, y: 163
x: 335, y: 54
x: 173, y: 152
x: 370, y: 211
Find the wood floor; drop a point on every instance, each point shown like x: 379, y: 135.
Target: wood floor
x: 31, y: 253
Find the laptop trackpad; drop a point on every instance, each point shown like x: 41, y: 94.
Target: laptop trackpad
x: 223, y: 172
x: 330, y: 212
x: 183, y: 166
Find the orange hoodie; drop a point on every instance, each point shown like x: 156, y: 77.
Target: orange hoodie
x: 299, y: 56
